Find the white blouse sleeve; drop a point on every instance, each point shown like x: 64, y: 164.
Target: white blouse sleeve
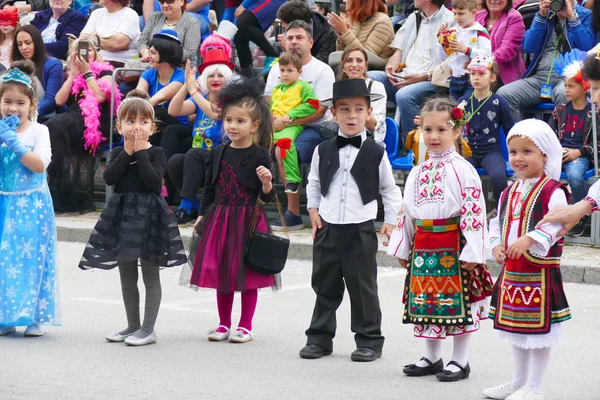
x: 472, y: 217
x: 546, y: 235
x: 495, y: 231
x: 404, y: 231
x: 41, y: 144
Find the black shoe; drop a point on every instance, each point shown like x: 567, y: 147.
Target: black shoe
x: 193, y: 215
x: 431, y: 369
x: 292, y: 187
x: 579, y: 228
x: 365, y: 354
x: 314, y: 351
x: 450, y: 376
x: 183, y: 218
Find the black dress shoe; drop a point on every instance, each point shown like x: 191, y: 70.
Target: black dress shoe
x: 365, y: 354
x: 431, y: 369
x: 314, y: 351
x: 183, y: 218
x: 451, y: 376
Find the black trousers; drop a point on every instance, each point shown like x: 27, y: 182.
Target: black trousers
x: 187, y: 171
x: 249, y: 30
x: 346, y: 253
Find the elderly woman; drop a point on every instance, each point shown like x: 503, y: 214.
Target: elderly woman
x: 28, y: 45
x: 354, y: 66
x: 506, y: 29
x: 370, y: 28
x: 186, y: 171
x: 56, y: 23
x: 172, y: 16
x: 116, y: 29
x: 83, y: 127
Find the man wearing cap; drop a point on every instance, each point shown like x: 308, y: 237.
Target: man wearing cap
x: 347, y: 173
x: 320, y: 76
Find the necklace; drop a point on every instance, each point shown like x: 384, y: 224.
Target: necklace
x: 472, y: 114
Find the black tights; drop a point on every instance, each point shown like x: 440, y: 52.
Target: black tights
x: 249, y: 30
x: 131, y: 297
x: 187, y: 172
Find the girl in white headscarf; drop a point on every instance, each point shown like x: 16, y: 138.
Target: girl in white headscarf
x: 529, y: 302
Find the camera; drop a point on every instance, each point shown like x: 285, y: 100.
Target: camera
x: 557, y: 5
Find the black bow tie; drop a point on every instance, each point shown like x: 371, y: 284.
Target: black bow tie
x: 353, y: 141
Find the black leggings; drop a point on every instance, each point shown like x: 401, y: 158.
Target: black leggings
x: 176, y: 139
x: 187, y: 172
x: 250, y: 30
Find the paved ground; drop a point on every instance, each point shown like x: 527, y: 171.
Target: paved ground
x: 74, y: 361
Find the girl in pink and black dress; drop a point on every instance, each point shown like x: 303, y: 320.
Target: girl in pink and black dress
x: 237, y: 174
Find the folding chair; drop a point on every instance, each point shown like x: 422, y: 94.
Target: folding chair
x: 391, y: 139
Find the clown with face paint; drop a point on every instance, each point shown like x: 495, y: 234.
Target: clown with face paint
x: 9, y: 19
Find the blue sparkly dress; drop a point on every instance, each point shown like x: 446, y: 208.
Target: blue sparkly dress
x: 28, y: 267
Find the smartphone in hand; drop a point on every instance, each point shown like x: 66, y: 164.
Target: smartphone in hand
x: 83, y: 50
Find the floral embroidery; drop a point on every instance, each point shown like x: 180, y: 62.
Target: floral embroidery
x: 473, y: 40
x: 471, y: 212
x: 430, y: 182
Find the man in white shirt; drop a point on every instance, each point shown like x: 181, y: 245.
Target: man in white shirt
x: 118, y: 30
x: 320, y: 76
x: 347, y: 173
x: 416, y: 49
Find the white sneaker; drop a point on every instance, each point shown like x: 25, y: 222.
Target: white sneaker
x: 500, y: 392
x: 5, y: 330
x: 526, y: 393
x: 216, y: 336
x: 241, y: 335
x: 34, y: 330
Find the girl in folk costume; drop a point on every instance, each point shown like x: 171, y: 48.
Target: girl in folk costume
x: 28, y: 267
x: 237, y: 174
x: 136, y: 227
x: 9, y: 20
x: 447, y: 281
x: 529, y: 302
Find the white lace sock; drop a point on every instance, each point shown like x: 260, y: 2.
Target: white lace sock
x: 433, y: 351
x: 538, y: 364
x: 521, y: 358
x: 460, y: 353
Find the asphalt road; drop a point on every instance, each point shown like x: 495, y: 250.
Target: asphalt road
x: 75, y: 362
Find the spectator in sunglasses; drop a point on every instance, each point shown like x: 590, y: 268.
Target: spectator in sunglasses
x: 173, y: 15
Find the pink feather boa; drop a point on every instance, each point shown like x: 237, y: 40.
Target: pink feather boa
x: 90, y: 109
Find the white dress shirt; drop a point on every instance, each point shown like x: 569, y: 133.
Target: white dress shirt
x: 343, y: 203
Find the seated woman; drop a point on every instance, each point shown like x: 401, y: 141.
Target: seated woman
x: 187, y: 148
x: 164, y: 77
x: 56, y: 23
x: 83, y: 127
x: 28, y: 45
x: 354, y: 66
x: 370, y: 28
x: 171, y: 16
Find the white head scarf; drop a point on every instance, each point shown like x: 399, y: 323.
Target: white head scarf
x: 545, y: 139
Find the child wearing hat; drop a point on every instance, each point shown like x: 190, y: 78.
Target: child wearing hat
x: 291, y: 99
x: 347, y: 173
x: 572, y: 123
x: 486, y: 114
x: 528, y: 301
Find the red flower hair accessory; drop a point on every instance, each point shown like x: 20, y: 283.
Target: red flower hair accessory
x: 457, y: 116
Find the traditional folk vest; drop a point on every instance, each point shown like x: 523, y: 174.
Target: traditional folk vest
x: 365, y: 170
x: 533, y: 210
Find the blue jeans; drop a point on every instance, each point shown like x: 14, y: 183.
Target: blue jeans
x: 408, y: 99
x: 495, y: 167
x: 306, y: 143
x: 460, y: 86
x: 575, y: 170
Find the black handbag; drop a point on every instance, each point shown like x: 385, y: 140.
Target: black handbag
x: 266, y: 253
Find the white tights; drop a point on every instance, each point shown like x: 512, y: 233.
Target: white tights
x: 530, y: 367
x: 460, y: 354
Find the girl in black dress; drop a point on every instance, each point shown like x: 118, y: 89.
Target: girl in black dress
x: 136, y: 226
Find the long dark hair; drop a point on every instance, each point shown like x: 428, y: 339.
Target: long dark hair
x: 248, y: 94
x: 39, y: 50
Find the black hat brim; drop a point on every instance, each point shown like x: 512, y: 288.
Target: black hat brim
x: 329, y: 102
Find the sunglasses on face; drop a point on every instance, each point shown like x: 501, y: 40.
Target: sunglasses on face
x: 166, y: 1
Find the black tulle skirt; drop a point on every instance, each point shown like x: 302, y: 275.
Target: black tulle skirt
x: 134, y: 226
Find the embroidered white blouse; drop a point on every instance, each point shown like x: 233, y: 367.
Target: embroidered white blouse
x: 445, y: 186
x: 545, y: 236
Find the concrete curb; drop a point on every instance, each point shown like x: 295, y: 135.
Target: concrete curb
x: 576, y: 271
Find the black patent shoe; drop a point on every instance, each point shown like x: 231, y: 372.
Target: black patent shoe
x: 451, y: 376
x: 365, y: 354
x: 183, y: 218
x: 431, y: 369
x: 314, y: 351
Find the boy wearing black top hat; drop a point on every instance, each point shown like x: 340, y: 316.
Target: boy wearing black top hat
x: 347, y: 173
